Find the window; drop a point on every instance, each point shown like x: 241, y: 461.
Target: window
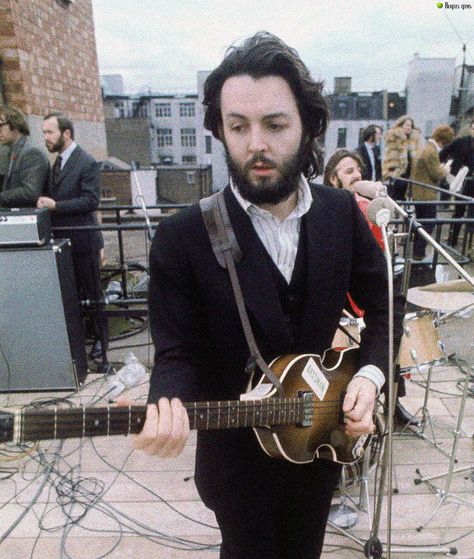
x: 189, y: 160
x: 119, y: 111
x: 191, y: 177
x: 363, y: 108
x: 208, y: 144
x: 188, y: 137
x: 163, y: 109
x: 164, y: 137
x: 341, y: 109
x: 186, y: 109
x: 341, y: 137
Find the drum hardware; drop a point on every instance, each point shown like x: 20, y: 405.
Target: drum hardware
x: 420, y: 347
x: 343, y: 515
x: 444, y: 494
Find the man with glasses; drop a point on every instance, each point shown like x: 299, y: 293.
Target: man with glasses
x: 27, y: 168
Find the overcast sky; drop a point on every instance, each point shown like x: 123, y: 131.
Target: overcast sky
x: 162, y: 44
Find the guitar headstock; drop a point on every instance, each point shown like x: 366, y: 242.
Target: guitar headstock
x: 6, y: 426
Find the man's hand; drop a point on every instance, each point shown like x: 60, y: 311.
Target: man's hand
x: 358, y: 407
x: 45, y: 202
x: 166, y: 429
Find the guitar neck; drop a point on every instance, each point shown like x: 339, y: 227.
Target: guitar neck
x: 58, y: 423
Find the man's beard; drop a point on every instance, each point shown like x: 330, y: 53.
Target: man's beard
x: 57, y: 146
x: 267, y: 190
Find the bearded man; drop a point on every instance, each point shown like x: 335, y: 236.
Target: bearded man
x: 73, y: 196
x: 303, y: 248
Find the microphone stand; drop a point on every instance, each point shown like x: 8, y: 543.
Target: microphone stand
x: 373, y: 548
x: 141, y: 201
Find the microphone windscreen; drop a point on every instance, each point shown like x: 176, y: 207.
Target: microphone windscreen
x: 369, y: 189
x: 376, y: 205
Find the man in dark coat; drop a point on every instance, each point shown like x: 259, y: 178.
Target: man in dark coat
x: 26, y: 172
x: 461, y: 151
x: 303, y: 249
x: 369, y: 151
x: 73, y: 198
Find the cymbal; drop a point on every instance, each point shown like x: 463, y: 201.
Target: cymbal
x: 449, y: 286
x: 447, y: 301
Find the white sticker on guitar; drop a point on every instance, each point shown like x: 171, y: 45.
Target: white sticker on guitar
x: 259, y: 392
x: 315, y: 378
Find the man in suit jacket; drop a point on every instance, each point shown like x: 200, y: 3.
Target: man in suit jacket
x: 461, y: 151
x: 73, y: 198
x: 303, y: 248
x: 26, y: 173
x: 427, y: 169
x: 369, y: 151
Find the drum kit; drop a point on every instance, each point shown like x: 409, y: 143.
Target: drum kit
x: 421, y: 350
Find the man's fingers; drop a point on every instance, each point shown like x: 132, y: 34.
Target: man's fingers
x: 166, y: 429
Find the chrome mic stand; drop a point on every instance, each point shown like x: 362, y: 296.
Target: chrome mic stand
x: 373, y: 548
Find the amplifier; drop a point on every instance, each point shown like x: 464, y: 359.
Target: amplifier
x: 29, y: 226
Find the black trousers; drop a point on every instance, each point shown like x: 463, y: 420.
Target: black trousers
x: 423, y: 211
x: 87, y: 275
x: 460, y: 209
x: 266, y: 508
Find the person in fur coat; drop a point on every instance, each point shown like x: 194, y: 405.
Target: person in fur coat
x: 402, y: 143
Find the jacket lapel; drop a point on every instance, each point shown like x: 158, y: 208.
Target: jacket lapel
x: 12, y: 160
x: 259, y: 291
x: 70, y: 164
x: 319, y: 270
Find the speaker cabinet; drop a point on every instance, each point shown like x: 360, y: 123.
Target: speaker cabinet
x: 42, y: 343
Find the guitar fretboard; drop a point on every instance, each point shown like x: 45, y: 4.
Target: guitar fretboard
x: 59, y: 423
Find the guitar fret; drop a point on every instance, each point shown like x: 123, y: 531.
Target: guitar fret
x: 218, y: 414
x: 129, y: 419
x: 228, y: 414
x: 83, y: 421
x: 207, y: 416
x: 108, y: 420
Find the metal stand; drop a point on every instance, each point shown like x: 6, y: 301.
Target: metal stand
x: 444, y: 494
x: 425, y: 420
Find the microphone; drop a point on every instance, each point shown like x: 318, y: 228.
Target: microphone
x: 380, y: 211
x: 369, y: 189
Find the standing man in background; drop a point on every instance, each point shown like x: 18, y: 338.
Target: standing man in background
x: 369, y: 152
x: 27, y: 167
x: 73, y: 196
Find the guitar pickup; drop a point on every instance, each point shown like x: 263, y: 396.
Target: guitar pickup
x: 308, y: 409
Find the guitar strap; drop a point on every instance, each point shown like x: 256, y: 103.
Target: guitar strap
x: 227, y: 252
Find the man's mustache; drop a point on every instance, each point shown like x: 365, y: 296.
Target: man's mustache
x: 259, y: 158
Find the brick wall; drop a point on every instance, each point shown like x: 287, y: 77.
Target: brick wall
x: 49, y: 61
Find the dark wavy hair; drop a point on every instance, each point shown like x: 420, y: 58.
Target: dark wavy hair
x: 64, y: 123
x: 16, y: 120
x: 368, y: 134
x: 262, y: 55
x: 335, y: 159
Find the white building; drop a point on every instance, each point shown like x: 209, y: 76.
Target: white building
x: 429, y: 88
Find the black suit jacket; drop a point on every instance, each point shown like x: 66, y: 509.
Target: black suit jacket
x: 367, y: 170
x: 200, y: 348
x: 461, y: 151
x: 77, y: 195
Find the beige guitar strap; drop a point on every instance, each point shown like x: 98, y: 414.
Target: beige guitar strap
x: 227, y: 251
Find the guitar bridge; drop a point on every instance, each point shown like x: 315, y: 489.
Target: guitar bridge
x: 308, y: 409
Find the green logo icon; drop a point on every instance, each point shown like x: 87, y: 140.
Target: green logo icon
x: 440, y: 4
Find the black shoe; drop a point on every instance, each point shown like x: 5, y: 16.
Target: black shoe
x: 403, y: 416
x: 96, y: 350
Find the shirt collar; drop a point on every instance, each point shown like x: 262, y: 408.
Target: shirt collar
x: 67, y: 153
x: 305, y: 199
